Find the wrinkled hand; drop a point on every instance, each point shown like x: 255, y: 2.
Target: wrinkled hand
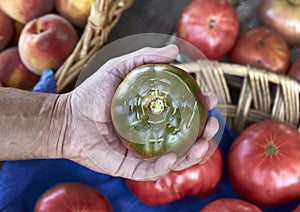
x: 90, y: 138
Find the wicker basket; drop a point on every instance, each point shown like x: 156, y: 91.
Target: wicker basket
x: 248, y: 94
x: 103, y: 17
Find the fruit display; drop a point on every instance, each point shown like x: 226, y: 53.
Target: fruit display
x: 215, y: 29
x: 256, y: 170
x: 44, y: 33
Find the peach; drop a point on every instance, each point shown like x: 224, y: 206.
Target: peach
x: 26, y: 10
x: 76, y: 11
x: 6, y: 30
x: 46, y: 42
x: 13, y: 73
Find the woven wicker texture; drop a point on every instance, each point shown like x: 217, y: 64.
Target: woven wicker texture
x: 247, y: 94
x: 103, y: 17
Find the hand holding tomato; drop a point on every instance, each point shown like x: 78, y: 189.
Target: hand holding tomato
x: 90, y: 137
x: 72, y: 196
x: 264, y: 163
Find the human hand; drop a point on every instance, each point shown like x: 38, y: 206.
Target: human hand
x: 90, y: 139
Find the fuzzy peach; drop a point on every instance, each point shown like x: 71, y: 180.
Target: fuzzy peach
x: 76, y: 11
x: 6, y: 30
x: 26, y: 10
x: 46, y: 42
x: 13, y: 73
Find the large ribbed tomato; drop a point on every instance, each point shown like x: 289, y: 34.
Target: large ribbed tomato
x: 264, y: 163
x: 158, y: 108
x: 72, y: 196
x: 262, y: 47
x: 199, y: 180
x: 210, y: 25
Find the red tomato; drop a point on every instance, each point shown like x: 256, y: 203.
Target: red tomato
x: 230, y: 205
x: 198, y: 180
x: 282, y: 16
x: 264, y: 163
x: 294, y: 70
x: 210, y: 25
x: 262, y: 47
x: 71, y: 196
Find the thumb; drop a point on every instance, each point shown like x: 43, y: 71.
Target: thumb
x: 122, y: 65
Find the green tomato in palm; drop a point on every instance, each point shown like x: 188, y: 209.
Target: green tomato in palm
x: 158, y: 108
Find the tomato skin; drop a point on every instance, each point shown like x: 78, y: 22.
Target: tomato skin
x: 230, y: 205
x: 72, y: 196
x: 199, y: 180
x: 296, y: 209
x: 210, y: 25
x: 262, y: 47
x: 273, y: 13
x: 158, y: 108
x: 264, y: 163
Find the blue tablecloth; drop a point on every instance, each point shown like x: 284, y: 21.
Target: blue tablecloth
x: 22, y: 182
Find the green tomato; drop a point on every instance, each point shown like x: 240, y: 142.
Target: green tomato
x: 158, y: 108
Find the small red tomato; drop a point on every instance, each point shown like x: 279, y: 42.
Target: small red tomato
x: 262, y: 47
x: 210, y: 25
x: 294, y: 70
x: 198, y: 180
x: 230, y: 205
x: 72, y: 196
x: 264, y: 163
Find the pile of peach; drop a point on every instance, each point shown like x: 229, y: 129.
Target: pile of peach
x: 36, y: 35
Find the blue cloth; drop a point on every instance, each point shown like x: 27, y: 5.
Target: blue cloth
x: 22, y: 182
x: 47, y: 82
